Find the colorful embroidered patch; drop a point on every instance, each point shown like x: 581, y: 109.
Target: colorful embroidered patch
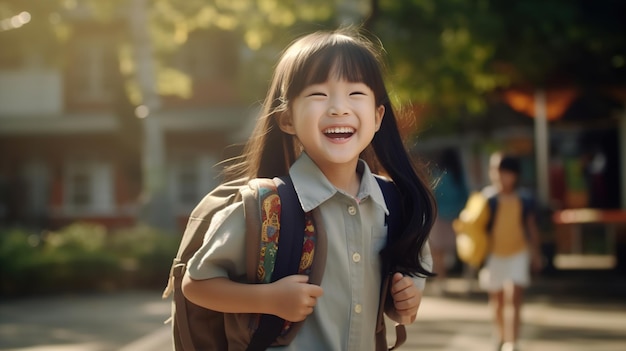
x: 270, y: 206
x: 270, y: 232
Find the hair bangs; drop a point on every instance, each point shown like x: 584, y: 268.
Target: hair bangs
x: 338, y: 57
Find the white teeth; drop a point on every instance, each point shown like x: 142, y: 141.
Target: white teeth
x: 339, y: 130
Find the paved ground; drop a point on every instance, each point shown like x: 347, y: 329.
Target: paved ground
x: 460, y: 325
x: 571, y: 312
x: 96, y: 322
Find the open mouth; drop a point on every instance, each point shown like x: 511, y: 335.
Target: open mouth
x: 339, y: 132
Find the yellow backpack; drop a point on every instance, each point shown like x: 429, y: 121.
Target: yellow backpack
x: 472, y: 242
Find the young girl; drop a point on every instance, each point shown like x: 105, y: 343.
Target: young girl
x: 327, y: 122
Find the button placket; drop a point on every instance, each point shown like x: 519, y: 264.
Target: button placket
x: 356, y: 259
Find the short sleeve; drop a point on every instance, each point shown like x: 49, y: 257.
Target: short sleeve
x: 222, y: 253
x: 427, y: 262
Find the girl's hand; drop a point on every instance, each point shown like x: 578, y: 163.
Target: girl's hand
x: 294, y: 298
x: 406, y: 299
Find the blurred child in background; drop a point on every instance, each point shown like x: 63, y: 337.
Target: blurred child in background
x: 514, y: 249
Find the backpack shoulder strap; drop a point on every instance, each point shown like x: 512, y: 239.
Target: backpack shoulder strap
x: 392, y: 200
x: 528, y: 203
x: 394, y: 230
x: 492, y: 202
x: 282, y: 226
x: 528, y: 208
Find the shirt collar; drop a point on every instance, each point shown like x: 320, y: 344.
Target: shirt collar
x: 313, y: 188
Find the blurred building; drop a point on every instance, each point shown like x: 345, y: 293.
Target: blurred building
x: 72, y: 146
x: 71, y: 142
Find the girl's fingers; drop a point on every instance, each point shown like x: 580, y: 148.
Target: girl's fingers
x: 400, y: 284
x: 397, y: 277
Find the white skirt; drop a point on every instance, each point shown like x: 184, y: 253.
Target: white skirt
x: 498, y: 271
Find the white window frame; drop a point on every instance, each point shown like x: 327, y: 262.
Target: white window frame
x: 89, y: 78
x: 201, y: 168
x: 99, y: 187
x: 36, y: 177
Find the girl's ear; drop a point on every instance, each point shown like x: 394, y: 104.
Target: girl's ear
x: 285, y: 123
x: 380, y: 112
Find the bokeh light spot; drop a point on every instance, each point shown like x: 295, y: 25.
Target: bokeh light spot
x: 142, y: 111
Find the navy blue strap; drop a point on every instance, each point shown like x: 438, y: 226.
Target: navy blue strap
x: 528, y: 207
x: 393, y: 221
x: 291, y: 230
x: 492, y: 201
x: 291, y: 236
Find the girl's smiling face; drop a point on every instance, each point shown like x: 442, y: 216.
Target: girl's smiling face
x: 334, y: 120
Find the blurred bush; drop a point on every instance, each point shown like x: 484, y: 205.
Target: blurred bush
x: 84, y: 257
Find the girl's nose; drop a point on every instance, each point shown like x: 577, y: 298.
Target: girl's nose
x: 338, y: 107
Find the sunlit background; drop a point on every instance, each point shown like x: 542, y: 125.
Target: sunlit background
x: 114, y: 113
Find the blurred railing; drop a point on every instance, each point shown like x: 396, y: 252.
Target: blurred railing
x: 573, y: 221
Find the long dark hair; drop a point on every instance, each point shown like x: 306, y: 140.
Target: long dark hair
x: 270, y: 152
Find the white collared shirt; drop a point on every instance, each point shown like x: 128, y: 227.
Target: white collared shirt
x: 345, y: 316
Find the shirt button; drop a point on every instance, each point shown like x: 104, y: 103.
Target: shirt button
x: 351, y: 210
x: 356, y: 257
x: 358, y: 308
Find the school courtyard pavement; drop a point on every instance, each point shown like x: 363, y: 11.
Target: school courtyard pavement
x: 573, y: 312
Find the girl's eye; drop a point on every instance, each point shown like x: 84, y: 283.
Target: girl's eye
x: 317, y: 94
x: 357, y: 93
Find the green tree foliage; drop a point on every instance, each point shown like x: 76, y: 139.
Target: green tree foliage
x: 263, y: 27
x: 446, y: 55
x: 450, y: 55
x: 32, y: 26
x: 258, y: 21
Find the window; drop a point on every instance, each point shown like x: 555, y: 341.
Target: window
x: 188, y: 183
x: 80, y: 195
x: 36, y: 179
x: 190, y: 178
x: 92, y: 70
x: 88, y: 187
